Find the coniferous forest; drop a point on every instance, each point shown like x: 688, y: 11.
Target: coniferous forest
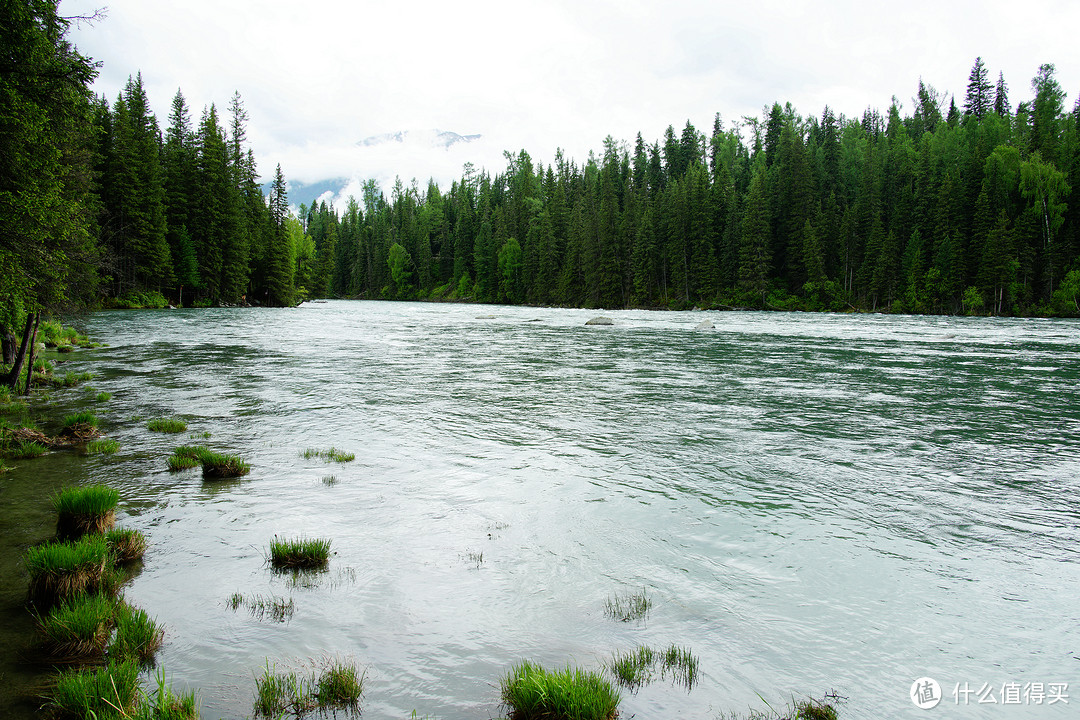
x: 947, y: 204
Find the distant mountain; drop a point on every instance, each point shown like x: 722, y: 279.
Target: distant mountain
x: 307, y: 193
x: 431, y: 138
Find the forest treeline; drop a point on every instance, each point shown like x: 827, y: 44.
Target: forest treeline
x: 946, y: 209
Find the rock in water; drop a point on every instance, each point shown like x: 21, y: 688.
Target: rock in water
x: 600, y: 320
x: 705, y: 325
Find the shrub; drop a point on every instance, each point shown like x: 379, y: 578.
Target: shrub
x: 167, y: 425
x: 299, y: 553
x: 531, y: 692
x: 83, y: 510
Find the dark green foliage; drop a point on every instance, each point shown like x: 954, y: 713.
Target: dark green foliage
x: 62, y: 570
x: 531, y: 692
x: 79, y: 627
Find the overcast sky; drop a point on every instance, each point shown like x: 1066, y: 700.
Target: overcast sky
x: 318, y: 76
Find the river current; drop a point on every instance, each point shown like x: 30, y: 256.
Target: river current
x: 813, y: 503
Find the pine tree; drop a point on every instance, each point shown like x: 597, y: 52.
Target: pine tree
x: 978, y: 100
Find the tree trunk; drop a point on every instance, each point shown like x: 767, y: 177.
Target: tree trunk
x: 30, y: 360
x: 12, y: 378
x: 9, y: 345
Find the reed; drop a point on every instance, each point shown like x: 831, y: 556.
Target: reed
x: 632, y: 606
x: 61, y: 570
x: 78, y: 627
x: 137, y: 636
x: 125, y: 545
x: 85, y: 510
x: 164, y: 704
x: 166, y: 425
x: 101, y: 693
x: 299, y: 553
x: 531, y: 692
x: 681, y: 664
x: 635, y: 668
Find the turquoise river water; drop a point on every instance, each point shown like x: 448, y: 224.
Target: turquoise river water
x: 813, y: 503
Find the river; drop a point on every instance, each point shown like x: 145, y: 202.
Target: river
x: 812, y: 502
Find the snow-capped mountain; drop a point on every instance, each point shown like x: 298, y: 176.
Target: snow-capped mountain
x: 423, y: 138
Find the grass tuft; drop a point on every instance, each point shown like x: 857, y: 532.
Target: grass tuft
x: 164, y: 704
x: 217, y: 466
x: 108, y: 692
x: 299, y: 553
x: 59, y: 571
x: 103, y: 396
x: 338, y: 687
x: 633, y: 606
x: 79, y: 627
x: 531, y: 692
x: 166, y: 425
x: 137, y: 636
x: 681, y: 664
x: 125, y: 545
x: 85, y: 510
x: 637, y: 667
x: 102, y: 447
x: 24, y: 450
x: 331, y: 455
x: 81, y: 418
x: 824, y: 708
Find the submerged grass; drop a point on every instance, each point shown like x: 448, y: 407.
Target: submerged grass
x: 331, y: 455
x: 824, y: 708
x: 278, y: 609
x: 299, y: 553
x: 338, y: 686
x: 632, y: 606
x: 531, y: 692
x: 167, y: 425
x: 638, y: 667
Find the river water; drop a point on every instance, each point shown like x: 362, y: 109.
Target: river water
x: 812, y: 502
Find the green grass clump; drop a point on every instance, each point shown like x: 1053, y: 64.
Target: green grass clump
x: 164, y: 704
x: 166, y: 425
x: 339, y: 686
x: 24, y: 450
x: 103, y: 396
x: 125, y: 545
x: 79, y: 627
x: 85, y: 510
x: 811, y: 709
x: 531, y: 692
x: 102, y: 693
x: 187, y: 456
x: 71, y: 379
x: 217, y: 466
x: 102, y: 447
x: 61, y: 570
x: 299, y: 553
x: 137, y: 636
x: 633, y: 606
x: 81, y: 418
x: 277, y: 693
x: 331, y: 455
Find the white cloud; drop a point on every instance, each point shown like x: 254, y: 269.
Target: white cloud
x: 542, y: 74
